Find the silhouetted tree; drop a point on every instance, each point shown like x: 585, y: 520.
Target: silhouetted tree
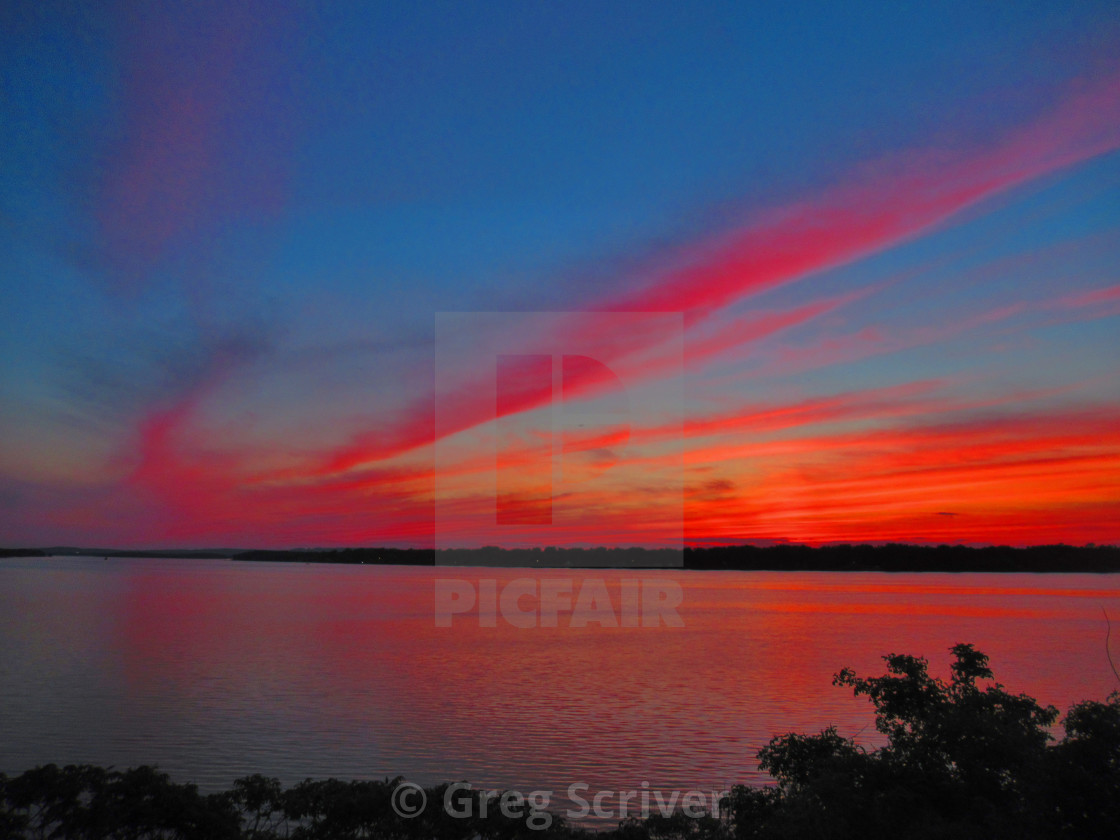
x: 961, y: 760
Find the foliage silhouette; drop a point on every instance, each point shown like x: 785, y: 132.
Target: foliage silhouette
x: 961, y: 760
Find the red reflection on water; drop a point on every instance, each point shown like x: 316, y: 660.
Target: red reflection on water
x: 350, y: 658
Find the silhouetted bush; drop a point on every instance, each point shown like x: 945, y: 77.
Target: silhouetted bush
x: 961, y: 761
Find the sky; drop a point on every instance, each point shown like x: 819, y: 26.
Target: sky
x: 286, y: 274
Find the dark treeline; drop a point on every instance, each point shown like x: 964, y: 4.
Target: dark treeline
x: 894, y: 557
x: 162, y: 553
x: 369, y: 556
x: 901, y: 557
x: 486, y: 556
x: 963, y: 759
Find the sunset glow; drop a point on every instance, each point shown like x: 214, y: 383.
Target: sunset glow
x: 232, y: 233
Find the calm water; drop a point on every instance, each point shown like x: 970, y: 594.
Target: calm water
x: 217, y: 669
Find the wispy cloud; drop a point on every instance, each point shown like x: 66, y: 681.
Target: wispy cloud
x: 174, y: 168
x: 887, y: 202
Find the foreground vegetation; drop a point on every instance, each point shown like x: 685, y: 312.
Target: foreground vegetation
x: 963, y: 759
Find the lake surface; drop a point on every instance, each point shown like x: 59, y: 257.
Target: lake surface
x: 218, y: 669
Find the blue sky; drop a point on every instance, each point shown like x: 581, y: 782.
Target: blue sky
x: 229, y: 227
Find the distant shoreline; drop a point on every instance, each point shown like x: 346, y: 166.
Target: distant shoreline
x: 893, y: 557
